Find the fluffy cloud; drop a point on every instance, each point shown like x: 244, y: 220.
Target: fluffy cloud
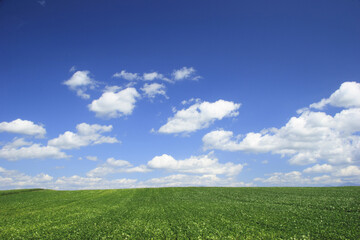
x: 145, y: 76
x: 184, y: 180
x: 200, y: 115
x: 112, y: 166
x: 205, y: 164
x: 77, y: 182
x: 113, y: 104
x: 177, y: 75
x: 154, y: 75
x: 348, y: 171
x: 20, y: 149
x: 80, y: 81
x: 23, y: 127
x: 308, y: 138
x: 319, y: 168
x: 285, y: 179
x: 15, y: 179
x: 296, y: 178
x: 10, y: 179
x: 340, y: 175
x: 348, y: 95
x: 184, y: 73
x: 127, y: 76
x: 86, y: 135
x: 151, y: 90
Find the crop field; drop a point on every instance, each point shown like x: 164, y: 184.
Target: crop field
x: 182, y: 213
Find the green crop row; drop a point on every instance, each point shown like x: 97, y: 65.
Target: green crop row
x: 182, y: 213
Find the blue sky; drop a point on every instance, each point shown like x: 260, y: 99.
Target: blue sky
x: 119, y: 94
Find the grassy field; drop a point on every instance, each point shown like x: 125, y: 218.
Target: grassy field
x: 169, y: 213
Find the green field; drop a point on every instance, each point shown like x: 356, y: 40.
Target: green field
x: 169, y: 213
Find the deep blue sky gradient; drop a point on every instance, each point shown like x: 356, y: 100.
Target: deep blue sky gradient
x: 273, y: 57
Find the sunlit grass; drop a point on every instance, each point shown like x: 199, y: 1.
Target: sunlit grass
x: 159, y: 213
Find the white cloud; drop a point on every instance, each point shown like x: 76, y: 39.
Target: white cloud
x: 18, y: 142
x: 23, y: 127
x: 205, y: 164
x: 20, y: 149
x: 183, y: 73
x: 86, y: 135
x: 324, y: 168
x: 200, y: 115
x: 183, y: 180
x: 283, y: 179
x: 191, y: 100
x: 296, y: 178
x: 10, y: 179
x: 112, y: 88
x: 112, y: 166
x: 77, y: 182
x: 81, y: 93
x: 177, y: 75
x: 151, y: 90
x: 15, y: 179
x: 337, y: 176
x: 152, y: 76
x: 348, y: 171
x: 80, y: 81
x: 115, y: 104
x: 127, y: 75
x: 348, y: 95
x: 92, y: 158
x: 306, y: 139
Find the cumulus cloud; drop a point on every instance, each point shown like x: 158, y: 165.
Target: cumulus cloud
x: 10, y: 179
x: 200, y: 115
x: 21, y: 149
x: 15, y: 179
x: 347, y: 96
x: 336, y: 176
x: 152, y: 76
x: 324, y: 168
x: 205, y: 164
x: 80, y: 81
x: 112, y: 166
x: 113, y: 104
x: 23, y: 127
x: 77, y: 182
x: 285, y: 179
x: 86, y: 135
x: 184, y: 180
x: 177, y: 75
x: 184, y: 73
x: 306, y: 139
x: 127, y: 75
x: 348, y: 171
x: 151, y: 90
